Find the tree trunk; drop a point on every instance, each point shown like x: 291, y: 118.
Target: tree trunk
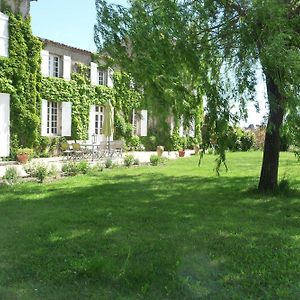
x: 269, y: 171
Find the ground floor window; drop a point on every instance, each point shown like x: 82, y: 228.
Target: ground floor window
x: 99, y: 118
x: 53, y: 118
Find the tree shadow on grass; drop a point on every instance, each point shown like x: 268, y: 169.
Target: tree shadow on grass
x: 145, y: 237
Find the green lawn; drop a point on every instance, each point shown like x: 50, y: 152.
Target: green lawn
x: 170, y: 232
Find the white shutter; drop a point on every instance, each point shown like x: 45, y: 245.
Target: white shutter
x: 4, y: 124
x: 181, y: 127
x: 144, y: 122
x: 91, y: 122
x: 4, y: 35
x: 67, y: 68
x: 66, y: 118
x: 192, y: 128
x: 171, y: 120
x: 110, y: 74
x: 44, y: 114
x: 94, y: 74
x: 45, y: 63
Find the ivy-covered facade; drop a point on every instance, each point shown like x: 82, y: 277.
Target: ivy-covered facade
x: 50, y: 90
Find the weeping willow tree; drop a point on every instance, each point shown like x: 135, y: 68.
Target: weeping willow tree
x: 181, y: 52
x: 145, y: 47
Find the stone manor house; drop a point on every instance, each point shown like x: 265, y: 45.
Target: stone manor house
x: 59, y: 61
x: 57, y: 117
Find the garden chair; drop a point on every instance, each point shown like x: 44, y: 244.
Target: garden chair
x: 102, y: 150
x: 77, y: 151
x: 116, y: 148
x: 66, y: 150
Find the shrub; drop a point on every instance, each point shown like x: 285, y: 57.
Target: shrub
x: 70, y: 168
x: 149, y: 142
x: 128, y: 160
x: 108, y: 163
x: 246, y: 141
x: 41, y: 172
x: 155, y: 160
x: 98, y: 167
x: 240, y: 140
x: 83, y: 167
x: 134, y: 143
x: 53, y: 171
x: 177, y: 142
x: 29, y: 169
x: 11, y: 175
x: 191, y: 142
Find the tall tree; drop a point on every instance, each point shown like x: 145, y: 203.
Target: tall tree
x: 216, y: 47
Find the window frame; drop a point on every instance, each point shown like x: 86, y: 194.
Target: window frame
x: 99, y: 119
x: 54, y: 114
x: 55, y: 64
x: 102, y: 77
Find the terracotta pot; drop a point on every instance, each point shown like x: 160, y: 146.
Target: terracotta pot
x: 160, y: 150
x: 22, y: 158
x: 181, y: 153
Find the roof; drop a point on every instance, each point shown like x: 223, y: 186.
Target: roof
x: 60, y: 45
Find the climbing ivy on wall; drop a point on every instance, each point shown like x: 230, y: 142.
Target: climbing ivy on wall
x: 81, y: 93
x: 126, y: 99
x: 21, y: 78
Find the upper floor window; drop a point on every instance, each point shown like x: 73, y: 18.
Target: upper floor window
x: 102, y: 77
x: 99, y: 118
x: 55, y: 66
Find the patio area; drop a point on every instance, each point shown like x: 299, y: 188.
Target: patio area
x: 142, y: 156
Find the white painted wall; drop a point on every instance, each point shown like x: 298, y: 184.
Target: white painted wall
x: 4, y: 125
x: 4, y: 35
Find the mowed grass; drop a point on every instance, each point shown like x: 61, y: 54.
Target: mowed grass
x: 171, y: 232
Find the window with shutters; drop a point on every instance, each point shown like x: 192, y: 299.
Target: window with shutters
x: 55, y: 66
x: 53, y: 118
x: 102, y: 77
x: 99, y: 118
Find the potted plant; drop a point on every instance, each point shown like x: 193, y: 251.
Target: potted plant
x: 23, y: 155
x: 181, y: 153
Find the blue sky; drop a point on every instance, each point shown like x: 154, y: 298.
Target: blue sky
x: 72, y: 22
x: 66, y: 21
